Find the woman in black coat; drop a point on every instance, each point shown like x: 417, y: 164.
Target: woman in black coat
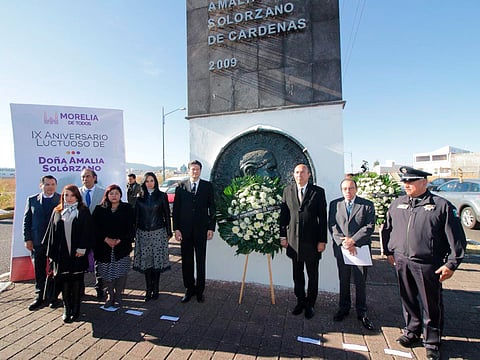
x: 154, y: 228
x: 114, y: 231
x: 69, y: 237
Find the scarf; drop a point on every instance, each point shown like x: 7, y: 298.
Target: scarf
x: 69, y: 213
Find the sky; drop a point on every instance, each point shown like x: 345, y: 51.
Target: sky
x: 410, y: 72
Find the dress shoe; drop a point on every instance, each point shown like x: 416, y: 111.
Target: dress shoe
x: 367, y: 324
x: 186, y: 298
x: 200, y: 298
x: 55, y: 303
x: 406, y: 341
x: 35, y: 305
x: 66, y: 316
x: 433, y: 354
x: 340, y: 315
x: 298, y: 309
x: 100, y: 294
x: 309, y: 312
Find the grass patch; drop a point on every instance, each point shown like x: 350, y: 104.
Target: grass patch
x: 7, y: 193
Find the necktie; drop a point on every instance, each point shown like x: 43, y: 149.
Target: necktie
x: 300, y: 195
x: 194, y: 188
x: 88, y: 199
x: 349, y: 207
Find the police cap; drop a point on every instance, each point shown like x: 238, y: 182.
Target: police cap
x: 408, y: 173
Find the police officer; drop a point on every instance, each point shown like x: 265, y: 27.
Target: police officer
x: 424, y: 240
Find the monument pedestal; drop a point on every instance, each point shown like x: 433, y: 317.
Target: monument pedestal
x: 317, y: 130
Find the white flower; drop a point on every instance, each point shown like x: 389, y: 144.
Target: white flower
x: 260, y: 241
x: 235, y: 229
x: 259, y: 216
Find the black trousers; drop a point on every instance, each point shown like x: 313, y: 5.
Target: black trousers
x: 298, y: 268
x: 71, y: 292
x: 194, y: 253
x: 39, y: 258
x: 359, y: 277
x: 421, y: 293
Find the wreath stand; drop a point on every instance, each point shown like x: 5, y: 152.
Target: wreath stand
x: 272, y: 293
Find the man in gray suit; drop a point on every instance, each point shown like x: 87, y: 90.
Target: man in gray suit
x: 92, y: 196
x: 91, y: 192
x: 38, y: 210
x: 351, y: 222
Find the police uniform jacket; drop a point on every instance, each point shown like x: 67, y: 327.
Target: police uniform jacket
x: 426, y: 230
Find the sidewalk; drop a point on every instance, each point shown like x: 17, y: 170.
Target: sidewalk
x: 220, y: 328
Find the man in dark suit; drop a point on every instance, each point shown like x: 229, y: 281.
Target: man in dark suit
x: 194, y: 224
x: 37, y: 213
x: 92, y: 195
x: 351, y: 221
x: 133, y: 189
x: 303, y: 232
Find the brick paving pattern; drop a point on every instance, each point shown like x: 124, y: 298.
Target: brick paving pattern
x: 221, y: 329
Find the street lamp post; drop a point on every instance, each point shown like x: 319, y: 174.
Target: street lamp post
x: 164, y: 115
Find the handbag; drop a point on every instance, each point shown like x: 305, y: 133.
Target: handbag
x: 49, y: 290
x: 91, y: 262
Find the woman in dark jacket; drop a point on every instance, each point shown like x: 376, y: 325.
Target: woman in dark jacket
x: 69, y: 237
x: 114, y: 231
x: 154, y: 228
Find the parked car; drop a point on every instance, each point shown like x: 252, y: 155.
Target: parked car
x: 435, y: 183
x: 172, y: 181
x: 171, y: 195
x: 6, y: 214
x: 465, y: 195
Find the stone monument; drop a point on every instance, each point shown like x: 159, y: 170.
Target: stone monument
x: 264, y: 93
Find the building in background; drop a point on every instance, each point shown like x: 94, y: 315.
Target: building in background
x: 449, y: 161
x: 7, y: 172
x: 388, y: 168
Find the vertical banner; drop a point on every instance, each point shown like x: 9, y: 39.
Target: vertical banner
x: 61, y: 141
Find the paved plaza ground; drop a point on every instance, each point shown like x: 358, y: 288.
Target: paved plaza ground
x: 220, y: 328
